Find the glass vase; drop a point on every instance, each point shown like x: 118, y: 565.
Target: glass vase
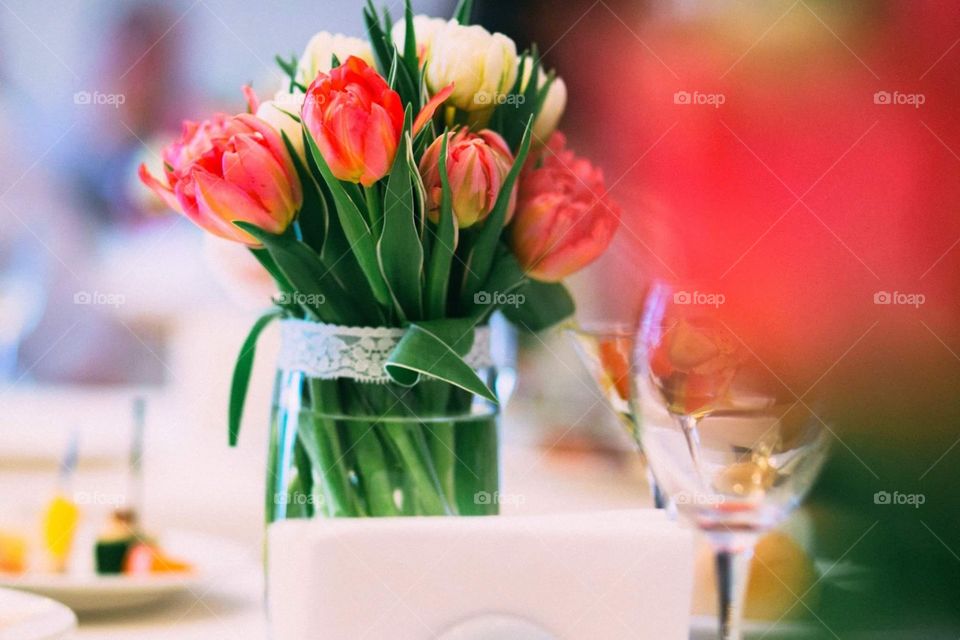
x: 343, y: 447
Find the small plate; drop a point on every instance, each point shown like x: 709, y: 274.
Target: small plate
x: 24, y: 616
x: 90, y: 594
x: 210, y: 557
x: 705, y: 628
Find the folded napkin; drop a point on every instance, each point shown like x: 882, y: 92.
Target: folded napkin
x: 624, y: 574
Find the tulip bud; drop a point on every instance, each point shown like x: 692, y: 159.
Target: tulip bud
x: 553, y: 105
x: 477, y: 164
x: 425, y: 29
x: 356, y: 119
x: 481, y: 65
x: 565, y: 218
x: 318, y: 56
x: 230, y: 169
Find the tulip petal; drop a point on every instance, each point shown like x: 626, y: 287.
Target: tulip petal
x: 274, y: 142
x: 219, y: 203
x: 380, y: 146
x: 252, y: 168
x: 430, y: 108
x: 164, y: 192
x: 253, y: 102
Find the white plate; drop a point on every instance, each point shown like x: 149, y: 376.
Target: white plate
x: 24, y: 616
x: 87, y: 594
x: 705, y: 628
x: 210, y: 557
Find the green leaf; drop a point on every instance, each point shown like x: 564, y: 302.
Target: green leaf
x: 438, y: 276
x: 410, y: 37
x: 268, y: 263
x: 463, y: 11
x: 436, y: 349
x: 289, y: 67
x: 335, y: 252
x: 410, y: 58
x: 544, y: 305
x: 506, y: 278
x: 399, y: 249
x: 382, y: 49
x: 480, y: 260
x: 511, y: 116
x: 355, y: 228
x: 241, y: 374
x: 313, y: 217
x: 321, y: 296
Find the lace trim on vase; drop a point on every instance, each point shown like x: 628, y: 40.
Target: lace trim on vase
x: 328, y: 351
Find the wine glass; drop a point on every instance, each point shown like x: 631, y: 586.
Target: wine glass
x: 732, y: 447
x: 605, y: 350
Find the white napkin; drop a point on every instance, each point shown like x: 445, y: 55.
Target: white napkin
x: 624, y: 574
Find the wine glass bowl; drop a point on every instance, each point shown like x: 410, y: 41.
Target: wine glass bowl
x: 606, y: 349
x: 753, y: 465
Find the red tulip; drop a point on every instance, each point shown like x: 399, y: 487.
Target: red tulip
x: 226, y: 169
x: 356, y: 120
x: 477, y: 164
x: 565, y: 218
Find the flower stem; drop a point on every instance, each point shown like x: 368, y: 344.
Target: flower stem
x: 374, y: 208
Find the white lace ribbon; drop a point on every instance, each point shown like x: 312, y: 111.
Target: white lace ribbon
x: 327, y: 351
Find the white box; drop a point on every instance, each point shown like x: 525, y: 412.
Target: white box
x: 585, y: 576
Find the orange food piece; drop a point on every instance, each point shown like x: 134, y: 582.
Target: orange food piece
x: 144, y: 559
x: 13, y: 553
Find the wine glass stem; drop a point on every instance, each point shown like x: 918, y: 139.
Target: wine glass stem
x: 689, y: 425
x: 733, y: 569
x: 659, y: 497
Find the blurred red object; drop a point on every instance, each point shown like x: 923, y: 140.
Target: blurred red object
x: 802, y: 157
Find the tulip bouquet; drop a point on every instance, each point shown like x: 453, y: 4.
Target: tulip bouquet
x: 399, y: 190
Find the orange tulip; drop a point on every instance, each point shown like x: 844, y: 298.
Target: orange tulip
x: 356, y: 120
x: 226, y: 169
x: 565, y: 218
x: 477, y: 164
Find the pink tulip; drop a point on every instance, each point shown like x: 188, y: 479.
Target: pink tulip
x: 356, y: 120
x: 477, y: 164
x: 226, y: 169
x: 565, y: 218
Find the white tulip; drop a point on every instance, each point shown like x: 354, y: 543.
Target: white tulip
x: 425, y: 28
x: 318, y: 55
x: 276, y: 113
x: 553, y: 105
x: 482, y: 65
